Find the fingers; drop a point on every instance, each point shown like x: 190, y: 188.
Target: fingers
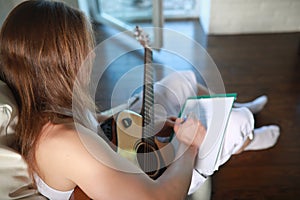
x: 190, y: 131
x: 177, y: 124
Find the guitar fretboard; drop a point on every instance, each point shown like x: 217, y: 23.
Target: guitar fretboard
x: 148, y: 96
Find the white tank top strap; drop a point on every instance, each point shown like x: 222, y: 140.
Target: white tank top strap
x: 49, y: 192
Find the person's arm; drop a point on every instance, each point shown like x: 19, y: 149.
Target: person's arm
x: 89, y: 162
x: 190, y: 134
x: 175, y: 182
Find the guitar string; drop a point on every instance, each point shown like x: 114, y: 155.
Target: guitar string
x: 148, y: 103
x: 148, y: 112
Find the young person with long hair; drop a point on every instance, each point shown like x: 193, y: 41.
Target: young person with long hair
x: 42, y: 47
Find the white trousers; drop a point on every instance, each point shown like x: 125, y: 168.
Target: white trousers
x: 169, y: 96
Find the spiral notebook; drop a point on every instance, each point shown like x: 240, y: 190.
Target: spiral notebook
x: 213, y: 111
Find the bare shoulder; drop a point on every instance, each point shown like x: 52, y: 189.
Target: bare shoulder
x: 62, y: 157
x: 68, y: 143
x: 53, y: 148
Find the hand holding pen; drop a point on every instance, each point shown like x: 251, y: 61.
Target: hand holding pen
x: 190, y: 131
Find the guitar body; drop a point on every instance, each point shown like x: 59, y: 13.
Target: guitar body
x: 128, y: 134
x: 151, y: 156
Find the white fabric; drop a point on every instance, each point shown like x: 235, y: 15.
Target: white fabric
x: 49, y: 192
x: 240, y: 126
x: 264, y: 137
x: 8, y: 115
x: 15, y: 182
x: 14, y: 178
x: 171, y: 93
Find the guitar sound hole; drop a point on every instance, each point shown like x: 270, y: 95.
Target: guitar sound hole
x: 148, y: 159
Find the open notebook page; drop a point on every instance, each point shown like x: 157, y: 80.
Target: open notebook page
x: 213, y: 112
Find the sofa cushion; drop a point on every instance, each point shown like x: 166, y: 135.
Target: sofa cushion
x: 8, y: 115
x: 15, y: 181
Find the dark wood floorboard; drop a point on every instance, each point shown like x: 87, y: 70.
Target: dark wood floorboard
x: 253, y: 65
x: 250, y: 65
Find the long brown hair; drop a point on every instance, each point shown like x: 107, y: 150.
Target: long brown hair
x: 42, y: 47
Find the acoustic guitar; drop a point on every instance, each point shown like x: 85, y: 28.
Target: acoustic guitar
x: 132, y: 134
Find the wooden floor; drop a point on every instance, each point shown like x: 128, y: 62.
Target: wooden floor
x: 250, y: 65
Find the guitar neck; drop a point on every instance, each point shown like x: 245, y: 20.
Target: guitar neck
x: 148, y: 95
